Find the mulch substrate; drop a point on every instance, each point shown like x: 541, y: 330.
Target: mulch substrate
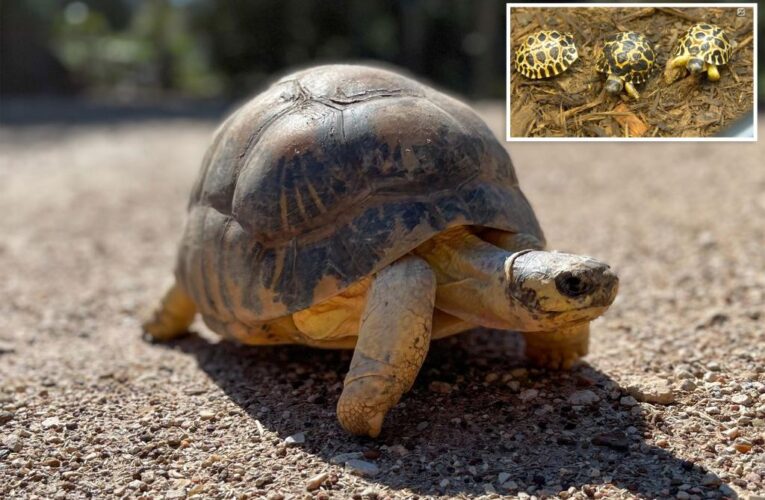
x: 574, y: 103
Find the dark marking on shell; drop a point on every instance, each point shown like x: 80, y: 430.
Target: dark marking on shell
x: 542, y: 37
x: 705, y: 46
x: 554, y: 52
x: 529, y: 59
x: 555, y: 35
x: 541, y: 56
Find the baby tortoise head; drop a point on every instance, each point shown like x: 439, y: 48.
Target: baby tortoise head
x: 554, y: 290
x: 627, y: 58
x: 703, y: 48
x: 545, y: 53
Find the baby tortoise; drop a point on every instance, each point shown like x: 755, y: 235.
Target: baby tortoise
x: 703, y: 48
x: 545, y: 53
x: 351, y: 207
x: 628, y: 59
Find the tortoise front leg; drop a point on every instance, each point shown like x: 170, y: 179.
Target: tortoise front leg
x: 173, y: 316
x: 558, y: 350
x: 713, y: 73
x: 631, y: 90
x: 394, y: 336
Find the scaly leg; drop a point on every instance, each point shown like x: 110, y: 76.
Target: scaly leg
x: 394, y: 336
x: 173, y: 316
x: 631, y: 90
x: 713, y: 73
x: 560, y: 349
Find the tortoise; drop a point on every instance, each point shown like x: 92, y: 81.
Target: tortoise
x: 545, y: 53
x: 352, y: 207
x: 703, y: 48
x: 628, y: 59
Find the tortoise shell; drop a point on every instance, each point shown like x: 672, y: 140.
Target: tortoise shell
x: 326, y: 177
x: 545, y: 53
x: 707, y: 42
x: 627, y: 55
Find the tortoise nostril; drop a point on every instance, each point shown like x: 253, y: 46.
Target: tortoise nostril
x: 572, y: 286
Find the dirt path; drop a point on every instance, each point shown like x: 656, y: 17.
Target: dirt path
x: 91, y: 216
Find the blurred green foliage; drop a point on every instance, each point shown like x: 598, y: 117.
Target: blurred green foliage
x: 230, y: 48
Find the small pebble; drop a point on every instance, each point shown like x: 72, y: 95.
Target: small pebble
x: 628, y: 401
x: 5, y: 416
x: 651, y: 390
x: 440, y: 387
x: 687, y: 385
x: 443, y: 483
x: 528, y: 395
x: 316, y: 481
x: 503, y: 477
x: 13, y: 443
x: 175, y: 494
x: 741, y: 399
x: 710, y: 479
x: 742, y: 446
x: 422, y: 426
x: 50, y: 423
x: 585, y: 397
x: 206, y: 414
x: 361, y: 468
x: 616, y: 440
x: 341, y: 458
x: 295, y: 439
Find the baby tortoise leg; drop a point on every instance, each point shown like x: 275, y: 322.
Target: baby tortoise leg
x: 713, y: 73
x: 558, y: 350
x: 631, y: 90
x: 394, y: 336
x: 173, y: 316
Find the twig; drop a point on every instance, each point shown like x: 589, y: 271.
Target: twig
x: 679, y: 13
x: 745, y: 41
x: 647, y: 11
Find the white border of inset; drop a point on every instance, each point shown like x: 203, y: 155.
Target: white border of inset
x: 508, y: 54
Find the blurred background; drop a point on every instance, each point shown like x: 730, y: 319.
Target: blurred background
x: 161, y: 52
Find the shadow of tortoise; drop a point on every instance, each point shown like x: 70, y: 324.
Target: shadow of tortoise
x: 487, y: 425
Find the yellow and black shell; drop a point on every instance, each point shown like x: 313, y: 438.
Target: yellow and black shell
x: 627, y: 55
x: 707, y: 42
x: 545, y: 53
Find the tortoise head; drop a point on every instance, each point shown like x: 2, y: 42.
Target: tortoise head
x: 695, y: 65
x: 614, y: 85
x: 550, y: 290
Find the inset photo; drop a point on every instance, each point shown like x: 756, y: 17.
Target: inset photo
x: 640, y: 72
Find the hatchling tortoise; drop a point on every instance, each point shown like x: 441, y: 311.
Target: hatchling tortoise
x: 703, y: 48
x: 628, y: 59
x: 352, y: 207
x: 545, y: 53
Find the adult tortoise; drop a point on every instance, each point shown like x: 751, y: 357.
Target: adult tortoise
x: 352, y: 207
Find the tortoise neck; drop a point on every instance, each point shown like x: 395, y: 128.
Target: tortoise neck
x: 458, y: 254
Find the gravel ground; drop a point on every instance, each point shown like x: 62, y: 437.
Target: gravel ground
x: 669, y: 404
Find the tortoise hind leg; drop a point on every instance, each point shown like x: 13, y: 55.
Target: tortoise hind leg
x: 173, y: 316
x: 394, y: 337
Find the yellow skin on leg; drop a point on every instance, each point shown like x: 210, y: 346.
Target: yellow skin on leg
x: 631, y: 90
x: 394, y: 337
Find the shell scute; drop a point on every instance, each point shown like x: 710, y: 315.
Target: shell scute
x: 545, y: 53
